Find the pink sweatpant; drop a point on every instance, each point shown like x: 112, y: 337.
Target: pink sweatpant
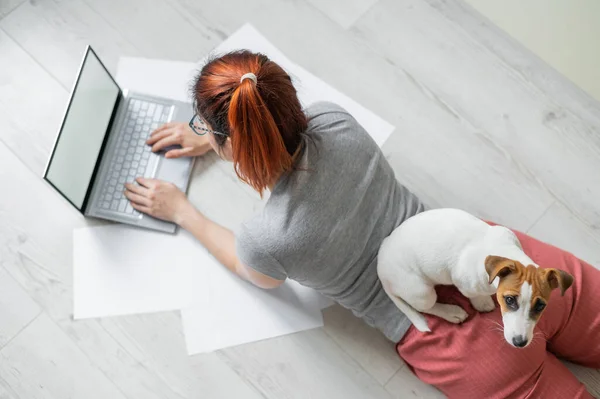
x: 472, y: 360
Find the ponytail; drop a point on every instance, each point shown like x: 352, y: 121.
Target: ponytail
x: 251, y: 101
x: 259, y: 152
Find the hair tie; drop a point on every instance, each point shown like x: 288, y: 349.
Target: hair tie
x: 250, y: 76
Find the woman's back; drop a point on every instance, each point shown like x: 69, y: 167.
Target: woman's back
x: 324, y: 223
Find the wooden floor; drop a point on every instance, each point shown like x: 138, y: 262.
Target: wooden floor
x: 481, y: 124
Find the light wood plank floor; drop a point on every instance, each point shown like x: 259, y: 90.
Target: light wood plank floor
x: 482, y: 124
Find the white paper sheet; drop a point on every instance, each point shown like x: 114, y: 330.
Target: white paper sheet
x: 161, y: 78
x: 119, y: 270
x: 172, y: 79
x: 237, y: 312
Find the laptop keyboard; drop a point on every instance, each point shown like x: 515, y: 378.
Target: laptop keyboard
x: 132, y: 156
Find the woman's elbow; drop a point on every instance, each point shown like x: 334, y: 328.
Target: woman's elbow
x: 267, y: 284
x: 258, y: 279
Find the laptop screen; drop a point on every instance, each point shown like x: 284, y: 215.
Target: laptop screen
x: 84, y: 127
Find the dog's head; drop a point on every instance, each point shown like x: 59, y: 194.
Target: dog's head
x: 523, y: 293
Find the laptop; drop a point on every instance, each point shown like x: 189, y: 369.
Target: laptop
x: 101, y: 145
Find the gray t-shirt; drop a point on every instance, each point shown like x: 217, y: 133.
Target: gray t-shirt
x: 323, y: 223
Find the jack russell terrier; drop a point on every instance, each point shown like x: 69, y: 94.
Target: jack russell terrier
x: 453, y: 247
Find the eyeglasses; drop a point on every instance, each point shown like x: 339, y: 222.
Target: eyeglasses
x: 199, y: 127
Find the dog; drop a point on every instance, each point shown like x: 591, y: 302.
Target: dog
x: 453, y: 247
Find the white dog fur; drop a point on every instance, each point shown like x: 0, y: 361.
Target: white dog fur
x: 447, y: 247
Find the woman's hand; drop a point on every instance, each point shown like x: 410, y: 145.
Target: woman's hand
x: 158, y: 199
x: 178, y: 133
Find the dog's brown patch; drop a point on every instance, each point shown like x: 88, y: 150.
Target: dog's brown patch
x: 513, y: 274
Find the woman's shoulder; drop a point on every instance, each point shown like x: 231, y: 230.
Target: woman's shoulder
x: 334, y: 124
x: 328, y: 117
x: 325, y: 108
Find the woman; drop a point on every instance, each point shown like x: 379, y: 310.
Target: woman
x: 333, y: 199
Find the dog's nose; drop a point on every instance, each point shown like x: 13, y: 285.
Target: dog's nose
x: 519, y: 341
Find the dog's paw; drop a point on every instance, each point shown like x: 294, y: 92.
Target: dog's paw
x: 453, y: 313
x: 483, y: 303
x: 421, y: 325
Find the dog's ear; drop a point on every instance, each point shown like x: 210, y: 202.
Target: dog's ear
x: 497, y: 266
x: 558, y: 278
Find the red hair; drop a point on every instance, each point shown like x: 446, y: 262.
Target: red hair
x: 264, y: 120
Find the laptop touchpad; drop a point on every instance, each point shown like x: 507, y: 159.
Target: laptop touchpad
x: 175, y: 170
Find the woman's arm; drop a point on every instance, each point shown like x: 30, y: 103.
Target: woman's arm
x: 220, y: 242
x: 165, y: 201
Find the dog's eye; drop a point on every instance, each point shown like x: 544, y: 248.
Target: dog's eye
x: 539, y: 306
x: 511, y: 301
